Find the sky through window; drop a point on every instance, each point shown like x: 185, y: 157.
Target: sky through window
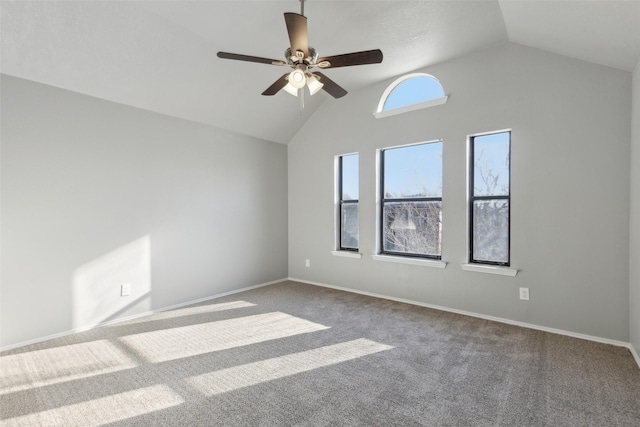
x: 413, y: 90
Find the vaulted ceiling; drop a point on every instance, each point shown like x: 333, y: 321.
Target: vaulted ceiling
x: 161, y: 55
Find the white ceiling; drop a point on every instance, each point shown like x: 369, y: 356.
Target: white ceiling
x: 161, y: 55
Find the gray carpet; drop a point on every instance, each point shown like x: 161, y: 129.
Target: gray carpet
x: 296, y: 354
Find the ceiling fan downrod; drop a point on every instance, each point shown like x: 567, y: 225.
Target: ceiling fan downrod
x: 301, y: 91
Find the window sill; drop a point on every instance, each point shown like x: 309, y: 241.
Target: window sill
x: 347, y: 254
x: 413, y: 261
x: 412, y: 107
x: 478, y: 268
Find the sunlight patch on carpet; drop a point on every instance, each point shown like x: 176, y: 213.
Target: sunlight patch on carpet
x: 176, y: 343
x: 104, y: 410
x: 279, y: 367
x: 59, y: 364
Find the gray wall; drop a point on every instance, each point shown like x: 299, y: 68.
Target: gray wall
x: 571, y: 125
x: 96, y: 194
x: 634, y: 257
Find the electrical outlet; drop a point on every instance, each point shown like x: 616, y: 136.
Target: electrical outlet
x: 307, y: 263
x: 524, y: 294
x: 125, y: 289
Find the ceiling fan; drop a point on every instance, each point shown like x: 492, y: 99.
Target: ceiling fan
x: 302, y: 58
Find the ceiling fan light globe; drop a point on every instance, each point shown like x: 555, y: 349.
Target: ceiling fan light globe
x: 297, y: 78
x: 291, y: 89
x: 314, y: 85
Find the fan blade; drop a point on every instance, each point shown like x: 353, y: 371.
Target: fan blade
x: 330, y: 86
x: 298, y: 35
x: 238, y: 57
x: 349, y: 59
x: 277, y: 85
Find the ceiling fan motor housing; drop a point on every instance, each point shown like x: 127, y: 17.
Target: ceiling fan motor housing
x: 294, y: 60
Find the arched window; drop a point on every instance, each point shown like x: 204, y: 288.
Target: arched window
x: 410, y: 92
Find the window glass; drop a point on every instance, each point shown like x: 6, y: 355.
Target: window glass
x: 491, y: 165
x: 411, y: 221
x: 350, y: 177
x: 412, y: 227
x: 349, y: 237
x: 413, y: 90
x: 490, y: 198
x: 413, y: 171
x: 348, y: 200
x: 491, y: 230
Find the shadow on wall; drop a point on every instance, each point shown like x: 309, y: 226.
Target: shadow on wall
x: 108, y: 286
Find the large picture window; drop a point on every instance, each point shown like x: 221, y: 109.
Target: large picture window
x: 411, y: 200
x: 490, y: 198
x: 348, y: 202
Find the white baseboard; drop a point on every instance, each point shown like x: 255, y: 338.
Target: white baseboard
x: 481, y: 316
x: 635, y: 354
x: 633, y: 351
x: 133, y: 317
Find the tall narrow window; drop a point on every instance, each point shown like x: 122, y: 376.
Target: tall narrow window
x: 411, y: 200
x: 348, y: 202
x: 490, y: 198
